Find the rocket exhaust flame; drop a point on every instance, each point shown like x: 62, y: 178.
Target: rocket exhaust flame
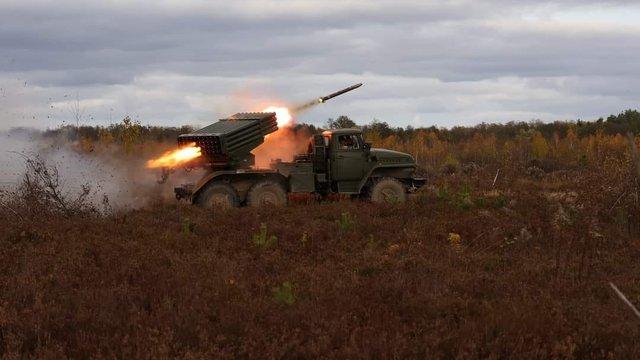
x: 280, y: 144
x: 283, y: 115
x: 175, y: 158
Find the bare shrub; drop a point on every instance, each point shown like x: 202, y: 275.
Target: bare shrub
x: 42, y: 191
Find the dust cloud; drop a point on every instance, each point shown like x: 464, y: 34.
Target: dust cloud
x: 123, y: 180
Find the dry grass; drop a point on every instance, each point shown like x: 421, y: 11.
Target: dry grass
x: 528, y: 275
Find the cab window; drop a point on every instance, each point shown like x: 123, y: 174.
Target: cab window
x: 348, y: 142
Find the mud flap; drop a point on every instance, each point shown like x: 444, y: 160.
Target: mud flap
x: 184, y: 192
x: 416, y: 183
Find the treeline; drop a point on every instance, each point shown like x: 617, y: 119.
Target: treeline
x: 128, y: 130
x: 623, y: 123
x: 125, y: 131
x: 559, y: 144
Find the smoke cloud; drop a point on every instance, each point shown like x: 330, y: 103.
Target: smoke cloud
x: 282, y: 144
x: 123, y: 180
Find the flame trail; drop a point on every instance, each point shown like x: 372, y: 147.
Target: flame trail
x: 175, y: 158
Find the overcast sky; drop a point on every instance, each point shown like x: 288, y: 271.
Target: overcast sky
x: 423, y: 63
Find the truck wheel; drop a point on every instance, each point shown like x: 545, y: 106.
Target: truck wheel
x: 267, y: 193
x: 387, y: 190
x: 218, y: 195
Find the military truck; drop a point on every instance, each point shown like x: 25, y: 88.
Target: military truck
x: 337, y: 161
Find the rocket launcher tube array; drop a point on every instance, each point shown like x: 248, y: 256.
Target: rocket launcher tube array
x: 234, y: 137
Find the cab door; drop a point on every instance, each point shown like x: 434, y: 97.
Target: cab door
x: 349, y: 159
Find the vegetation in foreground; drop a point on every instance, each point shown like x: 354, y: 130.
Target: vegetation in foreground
x: 510, y: 250
x: 472, y: 267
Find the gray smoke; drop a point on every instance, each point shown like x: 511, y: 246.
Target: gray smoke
x: 13, y: 144
x: 123, y: 180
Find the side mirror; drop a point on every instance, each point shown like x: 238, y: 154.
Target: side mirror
x: 367, y: 147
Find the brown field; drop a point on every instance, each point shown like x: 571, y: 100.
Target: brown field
x: 466, y: 269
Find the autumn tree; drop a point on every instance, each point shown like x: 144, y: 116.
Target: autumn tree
x: 342, y: 122
x: 129, y: 134
x: 539, y: 146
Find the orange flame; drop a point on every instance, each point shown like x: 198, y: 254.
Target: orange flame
x: 282, y: 144
x: 175, y: 158
x: 282, y: 115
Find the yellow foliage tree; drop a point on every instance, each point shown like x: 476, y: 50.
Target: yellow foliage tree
x: 105, y: 137
x: 374, y: 138
x: 130, y: 134
x: 539, y: 146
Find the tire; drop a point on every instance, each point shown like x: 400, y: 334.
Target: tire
x: 267, y: 193
x: 387, y: 191
x: 218, y: 195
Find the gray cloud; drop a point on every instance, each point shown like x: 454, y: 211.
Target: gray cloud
x: 423, y: 62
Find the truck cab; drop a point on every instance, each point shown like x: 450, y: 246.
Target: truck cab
x: 342, y: 162
x: 349, y: 157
